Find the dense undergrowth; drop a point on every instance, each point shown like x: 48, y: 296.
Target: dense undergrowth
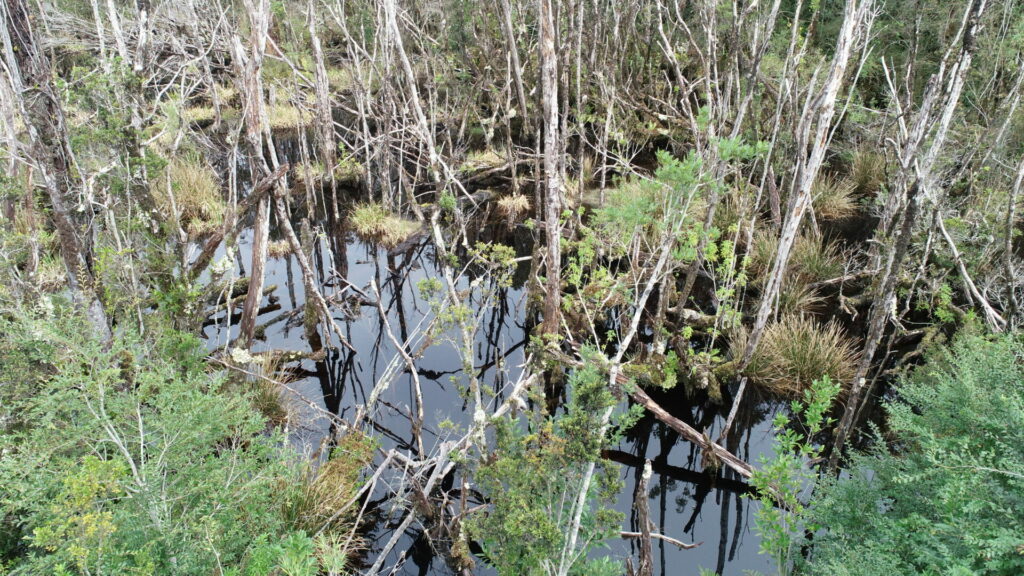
x: 135, y: 457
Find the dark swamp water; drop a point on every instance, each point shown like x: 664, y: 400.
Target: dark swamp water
x: 685, y: 503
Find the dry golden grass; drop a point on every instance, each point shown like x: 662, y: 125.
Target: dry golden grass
x: 279, y: 249
x: 795, y: 351
x: 374, y: 223
x: 196, y: 194
x: 867, y: 171
x: 514, y: 206
x: 834, y: 199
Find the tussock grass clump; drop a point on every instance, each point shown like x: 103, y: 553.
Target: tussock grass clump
x: 288, y: 116
x: 867, y: 171
x: 815, y: 259
x: 374, y: 223
x: 201, y: 115
x: 482, y: 159
x: 279, y: 249
x: 340, y: 79
x: 799, y: 298
x: 260, y: 378
x: 326, y: 489
x: 50, y: 275
x: 834, y: 199
x: 811, y: 260
x: 228, y: 94
x: 513, y: 207
x: 729, y: 209
x: 268, y: 396
x: 194, y: 192
x: 795, y: 351
x: 349, y: 170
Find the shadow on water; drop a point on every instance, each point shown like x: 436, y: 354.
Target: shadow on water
x: 685, y: 502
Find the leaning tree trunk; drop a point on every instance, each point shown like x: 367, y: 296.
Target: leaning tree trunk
x: 30, y: 77
x: 914, y: 187
x: 813, y: 134
x: 552, y: 167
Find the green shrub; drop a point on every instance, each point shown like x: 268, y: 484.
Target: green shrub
x: 948, y: 499
x: 534, y: 480
x: 131, y: 458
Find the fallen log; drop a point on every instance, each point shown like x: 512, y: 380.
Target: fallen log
x: 686, y: 431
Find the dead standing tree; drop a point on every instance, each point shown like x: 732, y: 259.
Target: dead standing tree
x: 920, y: 143
x: 47, y: 152
x: 813, y: 135
x: 248, y: 70
x: 553, y: 151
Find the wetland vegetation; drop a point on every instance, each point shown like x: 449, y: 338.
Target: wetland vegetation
x: 528, y: 287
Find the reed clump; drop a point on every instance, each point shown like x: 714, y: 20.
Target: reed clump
x: 795, y: 351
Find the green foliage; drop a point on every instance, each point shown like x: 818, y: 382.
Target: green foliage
x: 533, y: 478
x: 783, y: 480
x: 948, y: 500
x: 131, y: 459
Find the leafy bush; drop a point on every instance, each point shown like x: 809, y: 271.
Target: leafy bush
x: 533, y: 481
x: 949, y: 500
x: 131, y: 458
x: 782, y: 481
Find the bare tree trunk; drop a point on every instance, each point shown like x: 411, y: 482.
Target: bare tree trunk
x: 142, y: 12
x: 28, y: 72
x: 115, y: 25
x: 1011, y: 222
x: 552, y: 168
x: 101, y: 33
x: 325, y: 119
x: 260, y: 234
x: 643, y: 516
